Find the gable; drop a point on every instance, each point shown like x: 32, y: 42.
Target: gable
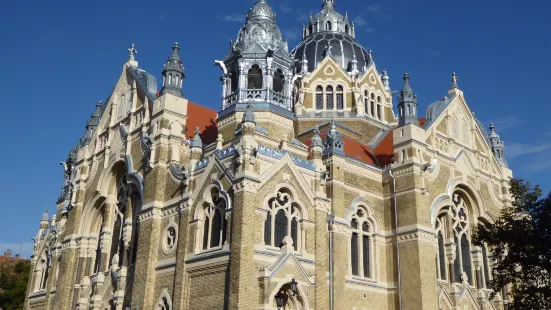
x: 328, y: 69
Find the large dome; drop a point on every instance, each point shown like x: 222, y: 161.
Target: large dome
x: 328, y: 32
x: 342, y: 47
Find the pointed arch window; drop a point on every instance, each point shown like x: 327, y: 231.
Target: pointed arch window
x: 380, y: 108
x: 361, y: 245
x: 254, y: 78
x: 366, y: 102
x: 346, y: 29
x: 340, y: 97
x: 372, y: 104
x: 214, y: 221
x: 329, y: 98
x: 282, y: 220
x: 233, y: 80
x: 279, y: 80
x: 328, y: 26
x: 454, y: 221
x: 319, y: 98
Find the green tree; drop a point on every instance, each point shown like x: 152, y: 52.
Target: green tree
x: 13, y: 284
x: 521, y: 243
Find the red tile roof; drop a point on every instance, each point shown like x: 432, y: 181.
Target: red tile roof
x: 205, y: 119
x: 353, y: 149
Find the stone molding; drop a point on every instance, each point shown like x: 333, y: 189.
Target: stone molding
x: 418, y: 235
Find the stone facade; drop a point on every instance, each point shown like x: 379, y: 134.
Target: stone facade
x: 170, y: 205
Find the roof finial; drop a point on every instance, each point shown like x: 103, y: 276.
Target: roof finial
x: 328, y: 48
x: 326, y: 3
x: 133, y: 51
x: 492, y: 127
x: 175, y: 48
x: 454, y: 80
x: 406, y: 78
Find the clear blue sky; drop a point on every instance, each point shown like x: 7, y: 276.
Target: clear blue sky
x: 57, y: 58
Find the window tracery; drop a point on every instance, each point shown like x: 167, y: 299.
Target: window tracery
x: 340, y: 98
x: 170, y: 237
x: 319, y: 98
x: 282, y: 220
x: 453, y: 221
x: 214, y: 221
x: 361, y: 245
x: 329, y: 97
x: 279, y: 79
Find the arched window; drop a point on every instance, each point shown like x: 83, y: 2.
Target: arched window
x: 366, y: 102
x: 328, y: 26
x: 319, y: 98
x: 441, y: 258
x: 380, y: 108
x: 453, y: 221
x: 282, y: 221
x: 346, y: 29
x: 310, y: 28
x: 233, y: 80
x: 45, y: 261
x: 329, y: 98
x: 278, y: 81
x: 340, y: 98
x: 97, y: 260
x: 486, y: 267
x: 255, y: 78
x: 372, y: 103
x: 214, y: 221
x: 361, y: 245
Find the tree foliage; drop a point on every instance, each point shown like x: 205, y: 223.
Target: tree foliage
x: 521, y: 243
x: 13, y: 284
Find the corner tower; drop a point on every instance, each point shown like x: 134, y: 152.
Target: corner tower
x: 257, y: 70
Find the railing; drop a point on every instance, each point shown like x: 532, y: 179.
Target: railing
x: 267, y: 95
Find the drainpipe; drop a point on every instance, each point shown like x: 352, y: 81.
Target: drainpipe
x: 396, y: 236
x: 331, y: 221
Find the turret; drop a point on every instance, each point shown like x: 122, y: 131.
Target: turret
x: 333, y: 144
x: 498, y: 146
x: 407, y: 105
x: 173, y: 73
x: 258, y: 69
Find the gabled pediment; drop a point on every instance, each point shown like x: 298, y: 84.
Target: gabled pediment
x: 290, y: 265
x: 287, y: 162
x: 328, y: 68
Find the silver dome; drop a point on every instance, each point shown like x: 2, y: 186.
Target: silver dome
x: 330, y: 33
x: 342, y: 47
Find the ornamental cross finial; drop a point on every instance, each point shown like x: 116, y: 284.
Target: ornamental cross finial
x: 454, y: 80
x: 328, y: 48
x: 133, y: 51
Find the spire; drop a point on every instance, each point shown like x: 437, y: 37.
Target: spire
x: 196, y: 142
x: 454, y: 80
x: 386, y: 80
x: 92, y: 123
x: 132, y: 52
x: 248, y: 116
x: 316, y: 139
x: 304, y: 63
x: 498, y: 146
x: 45, y: 216
x: 333, y: 144
x: 407, y: 105
x: 173, y: 73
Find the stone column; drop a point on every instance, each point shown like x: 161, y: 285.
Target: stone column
x: 451, y: 254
